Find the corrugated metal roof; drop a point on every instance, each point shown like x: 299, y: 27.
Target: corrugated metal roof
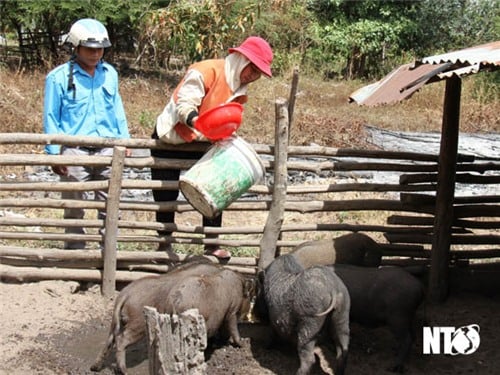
x: 402, y: 82
x: 485, y: 54
x: 396, y: 86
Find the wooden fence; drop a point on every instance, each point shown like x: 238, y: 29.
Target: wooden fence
x: 327, y: 193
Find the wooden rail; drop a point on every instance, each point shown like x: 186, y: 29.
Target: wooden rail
x: 398, y: 215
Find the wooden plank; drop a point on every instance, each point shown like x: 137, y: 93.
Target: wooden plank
x: 317, y: 167
x: 476, y: 254
x: 421, y: 220
x: 410, y: 220
x: 86, y: 186
x: 464, y: 178
x: 147, y: 143
x: 95, y: 256
x: 455, y: 239
x: 414, y: 198
x: 26, y: 274
x: 477, y: 210
x: 173, y: 185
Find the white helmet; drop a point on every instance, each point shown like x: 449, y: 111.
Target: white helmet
x: 88, y: 32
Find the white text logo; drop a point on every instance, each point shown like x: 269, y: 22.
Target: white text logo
x: 451, y: 340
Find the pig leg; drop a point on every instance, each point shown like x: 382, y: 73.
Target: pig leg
x: 121, y: 362
x: 306, y: 357
x: 401, y: 329
x: 307, y: 333
x: 123, y: 340
x: 232, y: 328
x: 339, y: 330
x: 99, y: 363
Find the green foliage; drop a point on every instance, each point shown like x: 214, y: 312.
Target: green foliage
x: 366, y: 48
x: 52, y: 19
x: 368, y: 38
x: 146, y: 118
x: 194, y: 30
x: 335, y: 38
x: 359, y: 39
x: 453, y: 24
x: 286, y: 28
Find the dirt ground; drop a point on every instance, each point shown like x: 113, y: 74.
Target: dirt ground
x: 56, y: 327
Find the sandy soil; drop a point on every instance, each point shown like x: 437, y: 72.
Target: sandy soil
x: 56, y: 327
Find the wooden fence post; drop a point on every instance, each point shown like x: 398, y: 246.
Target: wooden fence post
x: 274, y: 221
x: 111, y: 222
x: 176, y: 343
x: 291, y: 99
x: 440, y: 252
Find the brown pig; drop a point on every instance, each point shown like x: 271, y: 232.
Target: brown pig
x: 128, y: 324
x: 353, y: 248
x: 221, y: 298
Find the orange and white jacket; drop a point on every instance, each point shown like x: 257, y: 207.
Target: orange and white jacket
x: 207, y: 84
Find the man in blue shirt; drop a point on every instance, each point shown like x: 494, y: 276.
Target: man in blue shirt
x: 82, y: 98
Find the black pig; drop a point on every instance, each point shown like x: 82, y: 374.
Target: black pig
x: 384, y: 296
x: 301, y: 303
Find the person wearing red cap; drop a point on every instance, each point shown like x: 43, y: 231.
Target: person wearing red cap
x: 206, y: 84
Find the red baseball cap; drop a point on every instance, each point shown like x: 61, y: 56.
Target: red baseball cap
x: 258, y: 51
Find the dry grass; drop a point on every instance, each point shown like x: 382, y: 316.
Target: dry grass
x: 322, y: 113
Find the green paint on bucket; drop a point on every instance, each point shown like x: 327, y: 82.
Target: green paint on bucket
x: 227, y: 170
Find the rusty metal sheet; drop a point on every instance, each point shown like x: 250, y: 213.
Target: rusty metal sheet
x: 396, y: 86
x: 402, y: 82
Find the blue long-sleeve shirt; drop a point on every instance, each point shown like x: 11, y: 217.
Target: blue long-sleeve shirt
x: 93, y: 108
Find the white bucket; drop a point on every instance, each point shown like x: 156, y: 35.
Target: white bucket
x: 227, y: 170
